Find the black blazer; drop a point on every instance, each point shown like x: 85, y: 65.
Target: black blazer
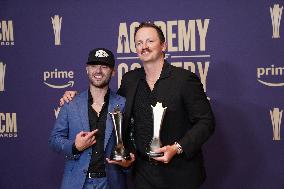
x: 188, y: 120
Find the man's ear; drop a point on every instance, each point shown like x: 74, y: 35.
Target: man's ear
x: 164, y: 46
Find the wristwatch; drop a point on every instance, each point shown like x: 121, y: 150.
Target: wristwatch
x: 179, y: 148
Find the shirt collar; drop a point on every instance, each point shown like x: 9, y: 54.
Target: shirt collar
x: 90, y: 97
x: 165, y: 71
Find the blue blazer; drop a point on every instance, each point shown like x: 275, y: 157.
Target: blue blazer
x: 72, y: 119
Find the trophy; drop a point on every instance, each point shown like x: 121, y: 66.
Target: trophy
x: 119, y: 152
x: 158, y: 116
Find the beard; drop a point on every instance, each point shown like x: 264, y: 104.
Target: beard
x: 102, y: 83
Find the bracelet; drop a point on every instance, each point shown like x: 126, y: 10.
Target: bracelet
x: 179, y: 148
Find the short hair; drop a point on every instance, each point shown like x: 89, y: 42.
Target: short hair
x: 150, y: 25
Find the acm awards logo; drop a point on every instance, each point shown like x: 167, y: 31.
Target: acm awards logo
x: 8, y: 125
x: 56, y: 23
x: 186, y: 46
x: 6, y: 33
x: 51, y: 79
x: 2, y: 76
x: 276, y: 117
x: 270, y: 76
x: 276, y: 13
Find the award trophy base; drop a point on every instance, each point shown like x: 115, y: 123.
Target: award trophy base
x: 155, y: 154
x: 155, y: 144
x: 119, y: 154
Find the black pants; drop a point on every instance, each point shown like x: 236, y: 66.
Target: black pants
x: 148, y: 175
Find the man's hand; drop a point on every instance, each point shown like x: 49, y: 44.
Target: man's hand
x: 169, y: 152
x: 85, y: 139
x: 67, y: 97
x: 123, y: 163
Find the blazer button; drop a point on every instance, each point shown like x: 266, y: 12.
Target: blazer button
x: 89, y: 153
x: 85, y: 171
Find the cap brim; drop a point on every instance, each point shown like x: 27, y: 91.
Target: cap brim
x: 98, y: 63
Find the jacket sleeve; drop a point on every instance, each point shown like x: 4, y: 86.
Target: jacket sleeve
x: 59, y: 139
x: 200, y: 115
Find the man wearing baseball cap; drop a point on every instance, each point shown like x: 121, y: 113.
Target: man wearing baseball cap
x: 83, y: 131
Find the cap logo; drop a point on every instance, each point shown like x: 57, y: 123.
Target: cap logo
x: 101, y: 53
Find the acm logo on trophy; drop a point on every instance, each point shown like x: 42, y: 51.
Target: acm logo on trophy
x: 276, y: 13
x: 2, y: 76
x: 276, y: 116
x: 56, y: 23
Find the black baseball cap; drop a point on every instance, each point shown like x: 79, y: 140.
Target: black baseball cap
x: 101, y: 56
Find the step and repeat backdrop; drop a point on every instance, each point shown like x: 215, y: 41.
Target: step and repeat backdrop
x: 235, y: 47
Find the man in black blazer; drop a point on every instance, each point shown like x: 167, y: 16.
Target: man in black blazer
x: 187, y: 124
x: 188, y: 120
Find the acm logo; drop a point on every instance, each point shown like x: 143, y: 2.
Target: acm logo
x: 276, y: 13
x: 8, y: 125
x: 56, y: 24
x: 6, y: 33
x: 276, y: 117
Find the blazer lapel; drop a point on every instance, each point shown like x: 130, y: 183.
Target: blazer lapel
x: 82, y: 105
